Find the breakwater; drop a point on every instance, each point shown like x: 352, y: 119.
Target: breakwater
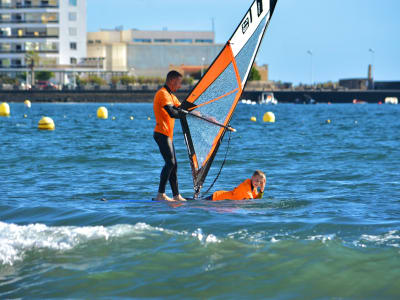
x: 137, y: 96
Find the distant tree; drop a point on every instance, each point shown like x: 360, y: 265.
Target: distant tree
x: 115, y: 80
x: 188, y: 80
x: 8, y: 80
x: 31, y: 61
x: 44, y: 75
x: 21, y: 75
x: 96, y: 80
x: 254, y: 74
x: 141, y: 79
x: 126, y: 79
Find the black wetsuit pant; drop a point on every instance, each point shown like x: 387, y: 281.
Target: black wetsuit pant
x: 170, y: 169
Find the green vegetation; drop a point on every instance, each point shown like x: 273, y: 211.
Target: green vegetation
x: 44, y: 75
x: 32, y: 60
x: 91, y: 79
x: 254, y: 74
x: 4, y: 79
x: 188, y: 80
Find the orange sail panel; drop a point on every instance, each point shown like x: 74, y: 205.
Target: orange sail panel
x: 220, y: 64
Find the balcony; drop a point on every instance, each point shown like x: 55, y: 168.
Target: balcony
x: 27, y: 22
x: 26, y: 51
x: 28, y: 6
x: 30, y: 36
x: 13, y: 67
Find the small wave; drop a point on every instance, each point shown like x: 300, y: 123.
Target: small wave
x: 392, y: 238
x: 17, y: 240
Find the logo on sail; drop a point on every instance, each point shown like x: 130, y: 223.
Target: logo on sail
x: 259, y: 7
x: 245, y: 25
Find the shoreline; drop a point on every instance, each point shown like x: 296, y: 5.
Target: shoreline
x: 146, y: 96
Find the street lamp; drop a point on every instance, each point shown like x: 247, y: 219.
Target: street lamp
x: 311, y: 66
x: 372, y: 51
x: 371, y: 75
x: 202, y: 66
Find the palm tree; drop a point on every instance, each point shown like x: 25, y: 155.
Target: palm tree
x: 32, y: 60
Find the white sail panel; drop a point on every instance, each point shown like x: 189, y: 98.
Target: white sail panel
x: 249, y: 24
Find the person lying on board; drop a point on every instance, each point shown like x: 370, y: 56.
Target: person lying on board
x: 248, y: 189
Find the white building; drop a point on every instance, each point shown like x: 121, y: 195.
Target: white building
x: 151, y: 53
x: 55, y: 29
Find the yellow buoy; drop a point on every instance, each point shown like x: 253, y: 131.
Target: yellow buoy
x: 253, y: 119
x: 113, y: 118
x: 102, y: 113
x: 328, y: 121
x: 131, y: 117
x: 148, y: 118
x: 25, y: 115
x: 4, y: 109
x: 269, y: 117
x: 28, y: 103
x: 46, y: 123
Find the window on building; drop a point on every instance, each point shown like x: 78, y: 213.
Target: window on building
x: 52, y: 31
x: 73, y: 46
x: 204, y: 41
x: 5, y: 47
x: 72, y: 16
x: 162, y: 41
x: 16, y: 62
x: 72, y: 31
x: 73, y: 2
x: 98, y: 42
x: 5, y: 17
x: 90, y: 42
x: 187, y: 41
x: 73, y: 60
x: 5, y: 62
x: 142, y: 40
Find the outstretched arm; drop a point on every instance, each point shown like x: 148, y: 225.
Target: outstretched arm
x: 174, y: 112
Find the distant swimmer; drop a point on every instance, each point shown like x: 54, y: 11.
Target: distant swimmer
x: 166, y: 110
x: 249, y: 189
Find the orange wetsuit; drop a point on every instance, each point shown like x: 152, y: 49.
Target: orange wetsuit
x: 242, y: 192
x: 164, y: 122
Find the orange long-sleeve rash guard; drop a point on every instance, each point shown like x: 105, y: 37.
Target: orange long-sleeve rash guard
x: 164, y: 123
x: 241, y: 192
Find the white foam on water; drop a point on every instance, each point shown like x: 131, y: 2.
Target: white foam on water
x: 210, y: 238
x: 323, y: 238
x: 16, y: 240
x: 392, y: 238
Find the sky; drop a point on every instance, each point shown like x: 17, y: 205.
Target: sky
x: 339, y: 33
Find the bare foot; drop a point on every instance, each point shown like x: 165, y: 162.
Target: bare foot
x: 163, y: 197
x: 179, y: 198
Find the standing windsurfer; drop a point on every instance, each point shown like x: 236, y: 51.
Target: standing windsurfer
x: 166, y: 110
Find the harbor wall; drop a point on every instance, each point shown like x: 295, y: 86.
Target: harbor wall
x: 147, y: 96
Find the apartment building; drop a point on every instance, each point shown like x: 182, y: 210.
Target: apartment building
x: 54, y: 29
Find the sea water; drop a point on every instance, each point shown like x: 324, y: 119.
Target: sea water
x: 327, y: 228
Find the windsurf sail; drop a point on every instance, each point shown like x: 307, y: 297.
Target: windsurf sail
x: 216, y: 95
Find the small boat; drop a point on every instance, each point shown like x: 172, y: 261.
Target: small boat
x: 357, y: 101
x: 267, y: 98
x: 391, y: 100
